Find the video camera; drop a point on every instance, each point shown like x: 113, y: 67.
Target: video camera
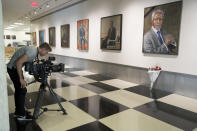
x: 41, y: 69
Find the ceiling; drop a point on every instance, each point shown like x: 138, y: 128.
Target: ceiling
x: 21, y: 11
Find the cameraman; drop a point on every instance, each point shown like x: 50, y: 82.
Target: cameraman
x: 14, y: 68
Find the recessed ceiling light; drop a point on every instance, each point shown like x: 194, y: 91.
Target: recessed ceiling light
x: 18, y: 23
x: 13, y: 26
x: 9, y: 28
x: 34, y: 4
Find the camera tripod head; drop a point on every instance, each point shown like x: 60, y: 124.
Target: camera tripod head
x: 41, y: 69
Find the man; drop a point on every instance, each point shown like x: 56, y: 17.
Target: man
x: 111, y: 36
x: 64, y: 38
x: 14, y: 68
x: 155, y: 40
x: 51, y: 38
x: 82, y: 36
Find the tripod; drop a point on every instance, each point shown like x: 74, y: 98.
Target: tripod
x: 38, y: 106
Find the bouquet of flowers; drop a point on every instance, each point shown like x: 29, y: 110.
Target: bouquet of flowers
x: 153, y: 73
x: 156, y: 68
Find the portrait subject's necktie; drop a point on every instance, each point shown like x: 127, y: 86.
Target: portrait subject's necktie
x: 159, y: 37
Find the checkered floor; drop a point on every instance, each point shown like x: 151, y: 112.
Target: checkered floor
x: 95, y: 102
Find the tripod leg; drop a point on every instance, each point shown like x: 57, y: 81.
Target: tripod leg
x: 38, y: 104
x: 54, y: 95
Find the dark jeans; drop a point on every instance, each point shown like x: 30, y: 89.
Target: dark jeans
x: 19, y: 92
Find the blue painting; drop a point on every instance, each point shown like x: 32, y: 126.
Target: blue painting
x: 41, y: 37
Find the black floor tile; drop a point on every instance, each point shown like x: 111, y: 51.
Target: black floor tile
x: 145, y: 91
x: 175, y: 116
x: 54, y: 83
x: 10, y: 91
x: 48, y: 99
x: 99, y: 88
x: 65, y: 84
x: 94, y: 126
x: 23, y: 126
x: 73, y: 69
x: 98, y: 106
x: 99, y: 77
x: 68, y: 74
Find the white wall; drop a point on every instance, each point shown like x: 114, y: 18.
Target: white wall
x: 20, y: 36
x: 4, y: 118
x: 132, y: 36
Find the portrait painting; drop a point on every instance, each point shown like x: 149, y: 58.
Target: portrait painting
x: 65, y: 36
x: 52, y: 36
x: 82, y: 34
x: 13, y: 37
x: 41, y: 37
x: 111, y: 31
x: 33, y: 37
x: 162, y: 28
x: 8, y: 37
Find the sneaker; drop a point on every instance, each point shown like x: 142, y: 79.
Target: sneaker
x: 26, y: 113
x: 24, y: 118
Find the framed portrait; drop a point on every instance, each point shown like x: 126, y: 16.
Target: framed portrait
x: 8, y: 37
x: 41, y: 37
x: 111, y: 32
x: 52, y: 36
x: 33, y: 37
x: 82, y: 34
x: 162, y: 28
x: 65, y: 36
x: 13, y: 37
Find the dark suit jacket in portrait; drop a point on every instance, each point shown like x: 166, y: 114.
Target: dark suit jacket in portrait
x: 64, y: 40
x: 110, y: 36
x: 152, y: 43
x: 111, y: 33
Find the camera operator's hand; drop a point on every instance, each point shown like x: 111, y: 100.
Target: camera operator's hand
x: 23, y: 83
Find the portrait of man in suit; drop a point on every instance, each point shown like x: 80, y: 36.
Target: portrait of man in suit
x: 41, y: 36
x: 111, y: 28
x: 111, y: 33
x: 52, y: 39
x: 160, y: 39
x: 82, y: 34
x: 155, y: 40
x: 34, y: 42
x: 65, y: 36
